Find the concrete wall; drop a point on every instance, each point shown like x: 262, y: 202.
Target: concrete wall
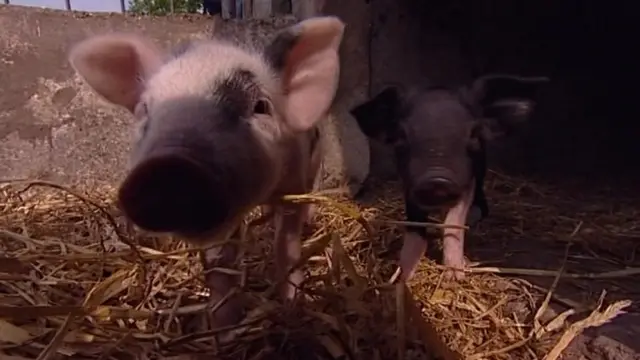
x: 53, y: 127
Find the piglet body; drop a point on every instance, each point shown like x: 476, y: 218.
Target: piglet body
x: 220, y: 129
x: 439, y: 136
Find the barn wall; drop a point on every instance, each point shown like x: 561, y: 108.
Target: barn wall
x: 52, y: 127
x: 585, y: 120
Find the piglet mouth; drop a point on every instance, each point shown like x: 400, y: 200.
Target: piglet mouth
x: 433, y: 193
x: 173, y: 193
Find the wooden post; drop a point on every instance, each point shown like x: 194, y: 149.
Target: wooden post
x: 281, y: 7
x: 239, y: 8
x: 123, y: 9
x: 67, y: 4
x: 228, y: 9
x: 261, y: 9
x: 304, y: 9
x: 247, y: 9
x: 172, y: 7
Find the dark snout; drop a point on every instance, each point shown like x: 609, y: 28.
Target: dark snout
x: 436, y: 190
x: 172, y: 193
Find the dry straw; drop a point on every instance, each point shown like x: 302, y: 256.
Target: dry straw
x: 76, y: 282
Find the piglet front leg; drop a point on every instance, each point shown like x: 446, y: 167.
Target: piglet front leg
x: 413, y: 248
x: 414, y: 243
x: 453, y: 238
x: 288, y: 246
x: 221, y: 284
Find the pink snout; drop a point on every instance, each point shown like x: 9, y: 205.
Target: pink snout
x: 172, y: 193
x: 435, y: 191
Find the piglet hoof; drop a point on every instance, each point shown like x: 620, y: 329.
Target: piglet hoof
x: 456, y: 267
x: 454, y: 275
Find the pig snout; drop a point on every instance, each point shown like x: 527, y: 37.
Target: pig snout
x: 436, y: 189
x: 172, y: 193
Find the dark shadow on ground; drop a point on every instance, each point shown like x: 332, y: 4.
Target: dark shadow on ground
x: 533, y: 222
x: 531, y: 225
x: 572, y: 170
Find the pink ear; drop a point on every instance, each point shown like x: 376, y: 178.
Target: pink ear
x: 311, y: 71
x: 115, y: 65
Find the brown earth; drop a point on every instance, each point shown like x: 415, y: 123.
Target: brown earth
x: 530, y: 226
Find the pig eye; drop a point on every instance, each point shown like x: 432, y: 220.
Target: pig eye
x: 262, y: 107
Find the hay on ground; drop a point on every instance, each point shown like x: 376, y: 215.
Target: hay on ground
x: 75, y: 282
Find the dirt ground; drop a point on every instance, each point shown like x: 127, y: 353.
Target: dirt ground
x: 590, y: 228
x: 530, y: 227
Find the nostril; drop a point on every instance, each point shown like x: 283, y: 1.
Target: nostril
x: 435, y: 191
x: 171, y: 193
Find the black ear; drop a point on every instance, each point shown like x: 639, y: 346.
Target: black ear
x: 505, y: 101
x: 378, y: 117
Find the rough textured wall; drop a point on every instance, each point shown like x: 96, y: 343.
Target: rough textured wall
x: 53, y: 127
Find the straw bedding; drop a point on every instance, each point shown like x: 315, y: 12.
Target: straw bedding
x: 76, y: 282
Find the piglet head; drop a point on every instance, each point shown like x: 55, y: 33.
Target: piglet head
x: 439, y: 133
x: 214, y: 119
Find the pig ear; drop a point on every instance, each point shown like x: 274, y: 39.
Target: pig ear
x: 116, y: 65
x: 504, y: 101
x: 378, y: 117
x: 306, y: 55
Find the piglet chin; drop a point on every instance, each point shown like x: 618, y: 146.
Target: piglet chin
x: 173, y: 194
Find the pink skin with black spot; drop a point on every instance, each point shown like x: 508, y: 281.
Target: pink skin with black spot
x: 221, y: 130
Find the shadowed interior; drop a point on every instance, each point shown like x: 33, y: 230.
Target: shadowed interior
x: 172, y: 193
